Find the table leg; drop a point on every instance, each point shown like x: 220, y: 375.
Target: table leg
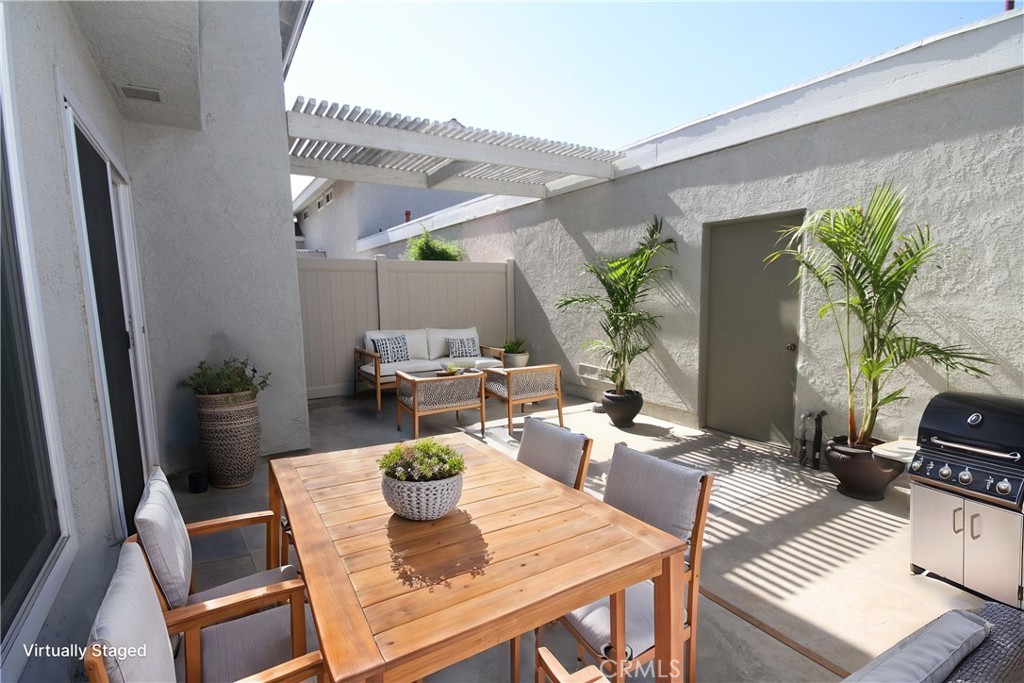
x: 274, y: 528
x: 668, y: 627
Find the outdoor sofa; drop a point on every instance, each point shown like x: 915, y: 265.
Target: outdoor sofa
x: 385, y: 352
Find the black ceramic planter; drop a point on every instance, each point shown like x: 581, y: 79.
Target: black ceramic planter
x: 622, y: 408
x: 860, y: 474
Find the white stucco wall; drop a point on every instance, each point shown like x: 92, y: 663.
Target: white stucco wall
x: 957, y: 151
x: 216, y: 243
x: 333, y: 228
x: 45, y: 42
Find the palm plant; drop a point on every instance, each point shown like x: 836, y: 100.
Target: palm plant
x: 865, y: 269
x: 627, y: 282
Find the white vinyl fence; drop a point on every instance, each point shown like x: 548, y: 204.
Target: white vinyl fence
x: 343, y: 298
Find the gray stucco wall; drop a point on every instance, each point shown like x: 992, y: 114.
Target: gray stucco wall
x: 957, y: 151
x: 216, y: 243
x: 44, y: 36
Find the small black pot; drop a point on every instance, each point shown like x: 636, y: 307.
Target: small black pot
x: 197, y: 482
x: 622, y: 408
x: 860, y: 474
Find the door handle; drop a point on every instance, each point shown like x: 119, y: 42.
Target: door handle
x: 974, y: 517
x: 955, y: 530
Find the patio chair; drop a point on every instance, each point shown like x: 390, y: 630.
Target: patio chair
x: 272, y: 643
x: 519, y: 386
x: 673, y: 498
x: 557, y: 452
x: 549, y: 668
x: 166, y: 540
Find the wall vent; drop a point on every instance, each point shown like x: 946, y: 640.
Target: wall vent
x: 305, y: 215
x: 329, y: 197
x: 138, y: 92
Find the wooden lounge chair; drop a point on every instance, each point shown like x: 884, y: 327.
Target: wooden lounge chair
x: 519, y: 386
x: 619, y: 629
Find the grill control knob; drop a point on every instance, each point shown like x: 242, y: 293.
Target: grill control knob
x: 916, y: 465
x: 945, y: 472
x: 1003, y: 487
x: 965, y: 477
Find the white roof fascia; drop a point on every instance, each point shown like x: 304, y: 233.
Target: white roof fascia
x: 308, y: 195
x: 985, y: 48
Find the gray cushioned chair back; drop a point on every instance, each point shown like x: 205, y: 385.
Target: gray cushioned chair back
x: 164, y: 536
x: 663, y: 494
x: 551, y: 450
x: 130, y: 617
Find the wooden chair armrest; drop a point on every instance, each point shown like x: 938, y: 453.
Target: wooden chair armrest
x: 496, y: 371
x: 493, y: 351
x: 292, y: 671
x: 218, y: 610
x: 557, y: 673
x: 211, y: 526
x: 549, y: 367
x: 372, y: 355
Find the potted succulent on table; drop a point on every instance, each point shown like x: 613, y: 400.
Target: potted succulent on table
x: 516, y: 355
x: 422, y: 480
x: 628, y: 283
x: 864, y: 269
x: 229, y: 418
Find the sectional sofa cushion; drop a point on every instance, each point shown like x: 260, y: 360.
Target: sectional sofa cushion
x: 416, y: 340
x: 437, y: 343
x: 387, y: 370
x: 479, y: 362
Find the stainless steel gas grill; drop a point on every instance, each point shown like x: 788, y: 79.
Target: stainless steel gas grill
x: 967, y: 492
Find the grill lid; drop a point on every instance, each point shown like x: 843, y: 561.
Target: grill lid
x: 982, y: 425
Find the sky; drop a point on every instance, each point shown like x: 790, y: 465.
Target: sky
x: 600, y: 74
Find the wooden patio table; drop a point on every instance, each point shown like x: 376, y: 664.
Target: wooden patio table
x: 395, y: 600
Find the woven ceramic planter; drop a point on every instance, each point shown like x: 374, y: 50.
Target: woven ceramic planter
x: 422, y: 500
x: 229, y: 436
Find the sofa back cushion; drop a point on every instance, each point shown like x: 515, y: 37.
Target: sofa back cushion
x: 437, y: 337
x: 416, y: 340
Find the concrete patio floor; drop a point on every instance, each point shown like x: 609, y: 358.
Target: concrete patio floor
x: 826, y: 577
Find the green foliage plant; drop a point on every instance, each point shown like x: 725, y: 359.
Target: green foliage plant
x: 425, y: 460
x: 627, y: 283
x: 864, y: 268
x: 429, y: 248
x: 233, y: 376
x: 515, y: 345
x: 452, y: 368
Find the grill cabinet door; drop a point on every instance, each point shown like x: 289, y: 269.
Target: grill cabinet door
x: 992, y: 556
x: 937, y: 532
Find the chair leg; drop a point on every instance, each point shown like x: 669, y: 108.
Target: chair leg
x: 558, y: 397
x: 514, y: 659
x: 415, y: 426
x: 508, y: 415
x: 378, y: 398
x: 398, y: 411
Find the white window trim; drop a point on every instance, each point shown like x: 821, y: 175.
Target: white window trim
x: 34, y: 611
x: 131, y: 289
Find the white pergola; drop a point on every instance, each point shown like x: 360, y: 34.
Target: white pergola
x: 328, y: 140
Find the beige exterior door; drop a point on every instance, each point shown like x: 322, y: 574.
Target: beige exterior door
x: 752, y: 319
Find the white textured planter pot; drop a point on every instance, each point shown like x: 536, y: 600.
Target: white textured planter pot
x: 422, y: 500
x: 517, y: 360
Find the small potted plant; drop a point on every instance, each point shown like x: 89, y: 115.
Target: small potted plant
x: 516, y: 355
x: 229, y: 418
x: 422, y: 480
x: 626, y: 283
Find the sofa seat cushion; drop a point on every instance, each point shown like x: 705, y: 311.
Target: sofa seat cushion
x: 416, y: 340
x: 929, y: 653
x: 437, y: 337
x: 479, y: 362
x: 387, y: 370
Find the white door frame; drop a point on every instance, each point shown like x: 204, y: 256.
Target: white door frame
x: 131, y: 290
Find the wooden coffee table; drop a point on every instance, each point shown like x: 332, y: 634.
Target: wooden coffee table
x: 428, y: 394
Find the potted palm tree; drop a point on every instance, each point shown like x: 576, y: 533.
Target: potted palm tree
x: 627, y: 282
x: 864, y: 269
